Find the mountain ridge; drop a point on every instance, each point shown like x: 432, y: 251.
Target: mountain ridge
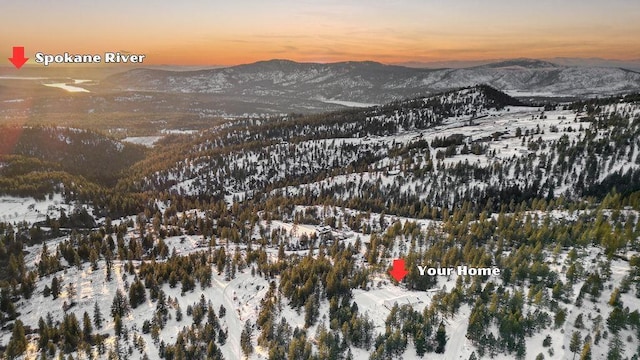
x: 285, y: 82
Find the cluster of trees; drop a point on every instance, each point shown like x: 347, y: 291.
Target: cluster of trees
x: 82, y: 165
x: 498, y: 306
x: 74, y: 151
x: 403, y: 323
x: 67, y: 336
x: 184, y: 269
x: 17, y: 280
x: 451, y: 140
x: 307, y: 282
x: 202, y: 339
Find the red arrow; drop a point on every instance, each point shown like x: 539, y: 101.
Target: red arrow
x: 398, y: 271
x: 18, y: 58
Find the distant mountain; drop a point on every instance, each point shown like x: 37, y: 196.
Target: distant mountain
x: 284, y: 81
x: 632, y: 64
x: 531, y: 64
x: 366, y: 82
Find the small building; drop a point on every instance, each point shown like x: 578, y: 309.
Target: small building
x: 324, y: 231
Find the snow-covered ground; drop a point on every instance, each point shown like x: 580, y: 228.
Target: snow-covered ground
x: 16, y: 209
x: 242, y: 295
x: 354, y: 104
x: 148, y: 141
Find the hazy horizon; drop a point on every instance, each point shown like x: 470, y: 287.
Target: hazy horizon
x: 634, y: 64
x: 403, y: 31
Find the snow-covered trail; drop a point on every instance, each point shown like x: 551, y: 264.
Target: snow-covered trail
x: 231, y: 349
x: 456, y: 348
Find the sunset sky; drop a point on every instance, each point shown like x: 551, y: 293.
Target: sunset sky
x: 206, y: 32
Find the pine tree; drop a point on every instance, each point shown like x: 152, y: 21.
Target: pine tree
x: 93, y: 259
x: 575, y: 343
x: 616, y: 320
x: 586, y: 351
x: 579, y: 324
x: 178, y: 312
x: 212, y: 319
x: 614, y: 300
x: 43, y: 332
x: 441, y: 339
x: 117, y: 324
x: 137, y: 293
x: 421, y: 343
x: 97, y: 316
x: 162, y: 311
x: 120, y: 305
x: 616, y: 348
x: 18, y: 342
x: 55, y: 287
x: 560, y: 317
x: 222, y: 337
x: 227, y: 269
x: 213, y: 352
x: 71, y: 292
x: 87, y: 329
x: 311, y: 311
x: 71, y: 333
x: 245, y: 339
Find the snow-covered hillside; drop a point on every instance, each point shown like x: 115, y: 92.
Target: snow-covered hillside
x: 439, y: 150
x: 343, y: 235
x: 230, y: 298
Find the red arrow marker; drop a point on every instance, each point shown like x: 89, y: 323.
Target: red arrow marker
x: 398, y: 271
x: 18, y: 58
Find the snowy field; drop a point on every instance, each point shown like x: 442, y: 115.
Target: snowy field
x: 147, y: 141
x: 15, y: 209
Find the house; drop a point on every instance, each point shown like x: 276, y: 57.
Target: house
x: 324, y: 231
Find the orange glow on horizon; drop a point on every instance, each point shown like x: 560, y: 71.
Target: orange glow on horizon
x: 214, y: 33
